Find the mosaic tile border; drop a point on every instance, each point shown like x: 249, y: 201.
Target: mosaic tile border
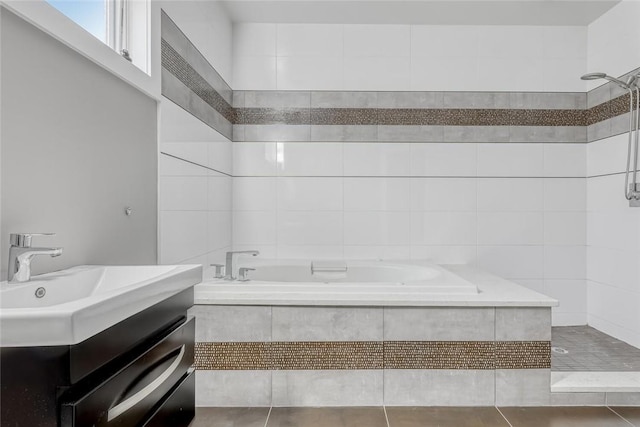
x: 336, y: 355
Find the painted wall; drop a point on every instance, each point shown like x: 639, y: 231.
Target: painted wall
x: 78, y: 146
x: 408, y: 57
x: 613, y: 229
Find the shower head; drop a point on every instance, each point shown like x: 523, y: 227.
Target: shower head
x: 596, y: 76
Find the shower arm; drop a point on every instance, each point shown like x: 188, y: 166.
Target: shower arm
x: 628, y: 194
x: 632, y: 193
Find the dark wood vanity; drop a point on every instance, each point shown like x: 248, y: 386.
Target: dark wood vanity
x: 136, y: 373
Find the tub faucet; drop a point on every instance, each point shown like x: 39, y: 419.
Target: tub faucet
x: 228, y: 269
x: 21, y: 253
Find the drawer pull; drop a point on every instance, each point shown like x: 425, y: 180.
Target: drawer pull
x: 132, y: 401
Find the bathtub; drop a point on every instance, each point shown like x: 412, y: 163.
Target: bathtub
x: 291, y: 282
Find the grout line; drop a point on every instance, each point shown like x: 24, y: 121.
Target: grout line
x: 194, y: 163
x: 627, y: 421
x: 268, y: 415
x: 505, y: 418
x: 386, y: 417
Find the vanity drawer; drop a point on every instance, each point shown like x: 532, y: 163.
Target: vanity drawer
x: 128, y: 395
x: 178, y: 408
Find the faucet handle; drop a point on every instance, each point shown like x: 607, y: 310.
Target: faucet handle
x: 243, y: 273
x: 219, y: 270
x: 23, y: 240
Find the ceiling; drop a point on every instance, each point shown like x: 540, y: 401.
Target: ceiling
x: 426, y: 12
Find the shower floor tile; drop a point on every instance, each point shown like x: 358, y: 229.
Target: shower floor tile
x: 591, y: 350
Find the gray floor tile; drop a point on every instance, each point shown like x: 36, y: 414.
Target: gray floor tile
x: 563, y: 417
x: 629, y: 413
x: 327, y: 417
x: 230, y: 417
x: 591, y: 350
x: 444, y: 417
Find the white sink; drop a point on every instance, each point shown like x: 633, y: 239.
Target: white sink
x: 82, y: 301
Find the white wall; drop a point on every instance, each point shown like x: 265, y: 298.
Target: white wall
x: 613, y: 229
x: 408, y: 57
x: 78, y: 147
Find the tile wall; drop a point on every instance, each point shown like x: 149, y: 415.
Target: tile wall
x: 613, y: 229
x: 195, y: 136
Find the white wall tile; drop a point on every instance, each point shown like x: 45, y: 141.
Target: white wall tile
x: 565, y: 228
x: 183, y: 235
x: 218, y: 230
x: 254, y: 39
x: 510, y: 228
x: 254, y: 194
x: 310, y: 194
x: 254, y: 159
x: 310, y: 40
x: 444, y: 194
x: 219, y: 191
x: 310, y: 159
x: 310, y: 73
x: 254, y: 227
x: 444, y: 41
x: 443, y: 73
x: 377, y: 40
x: 255, y: 73
x: 510, y: 194
x: 376, y: 228
x: 378, y: 194
x: 565, y: 160
x: 369, y: 252
x: 445, y: 254
x: 512, y: 262
x: 565, y: 262
x: 183, y: 193
x: 377, y: 159
x: 310, y: 252
x: 310, y: 228
x: 443, y: 159
x: 377, y: 73
x: 562, y: 194
x: 511, y: 159
x: 443, y: 228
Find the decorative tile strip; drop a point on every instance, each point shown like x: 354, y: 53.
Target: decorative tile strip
x: 234, y: 356
x: 410, y: 117
x: 175, y: 64
x: 327, y: 355
x: 439, y: 354
x: 307, y: 355
x: 523, y: 355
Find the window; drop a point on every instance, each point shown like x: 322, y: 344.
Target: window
x: 89, y: 14
x: 121, y: 24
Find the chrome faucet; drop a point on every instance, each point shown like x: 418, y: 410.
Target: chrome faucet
x: 228, y: 269
x: 21, y: 253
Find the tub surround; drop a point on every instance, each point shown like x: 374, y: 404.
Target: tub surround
x: 481, y: 347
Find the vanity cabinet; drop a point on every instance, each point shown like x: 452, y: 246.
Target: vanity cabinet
x: 136, y: 373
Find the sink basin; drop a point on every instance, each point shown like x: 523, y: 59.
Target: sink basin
x: 68, y: 306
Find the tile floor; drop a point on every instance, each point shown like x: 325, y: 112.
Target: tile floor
x: 591, y: 350
x: 418, y: 417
